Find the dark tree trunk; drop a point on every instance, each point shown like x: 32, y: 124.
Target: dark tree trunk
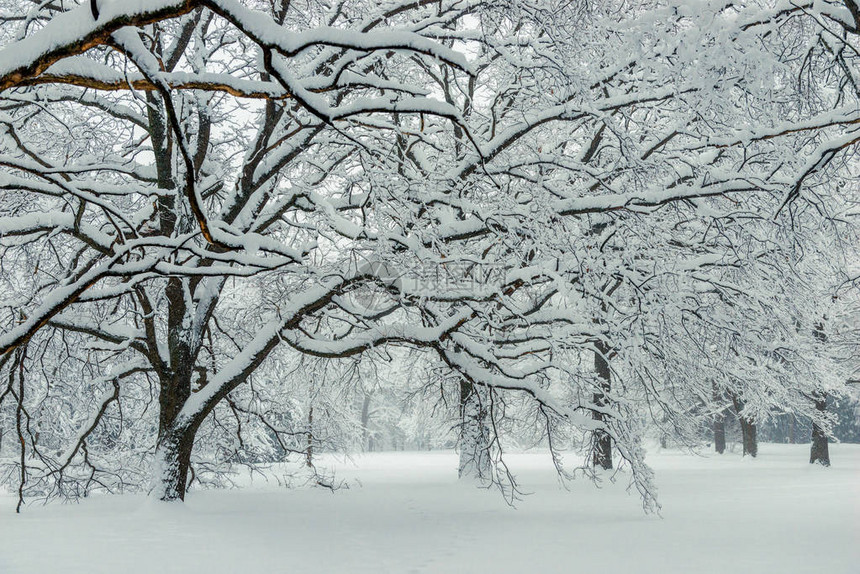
x: 309, y: 453
x: 365, y: 421
x: 820, y: 451
x: 720, y: 432
x: 474, y: 443
x: 792, y: 430
x: 175, y: 441
x: 719, y: 421
x: 748, y: 429
x: 601, y: 447
x: 172, y: 462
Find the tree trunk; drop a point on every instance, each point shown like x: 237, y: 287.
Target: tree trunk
x: 819, y: 451
x: 365, y: 421
x: 792, y: 435
x: 175, y: 442
x: 309, y: 453
x: 748, y: 429
x: 719, y: 421
x: 171, y: 464
x: 474, y: 443
x: 601, y: 442
x: 720, y: 432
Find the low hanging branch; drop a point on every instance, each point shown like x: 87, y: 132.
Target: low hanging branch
x: 90, y: 426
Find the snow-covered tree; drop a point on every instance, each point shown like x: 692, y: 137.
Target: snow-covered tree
x: 191, y: 185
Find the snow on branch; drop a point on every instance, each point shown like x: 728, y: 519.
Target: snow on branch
x: 74, y: 32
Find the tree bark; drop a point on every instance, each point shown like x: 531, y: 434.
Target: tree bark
x: 819, y: 452
x: 719, y: 422
x: 792, y: 434
x: 309, y: 453
x: 171, y: 464
x: 748, y: 429
x: 720, y: 432
x: 601, y: 445
x: 474, y: 443
x: 175, y: 442
x: 365, y: 421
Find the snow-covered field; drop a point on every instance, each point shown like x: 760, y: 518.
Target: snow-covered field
x: 720, y: 515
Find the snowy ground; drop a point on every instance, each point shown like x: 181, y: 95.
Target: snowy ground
x: 720, y: 515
